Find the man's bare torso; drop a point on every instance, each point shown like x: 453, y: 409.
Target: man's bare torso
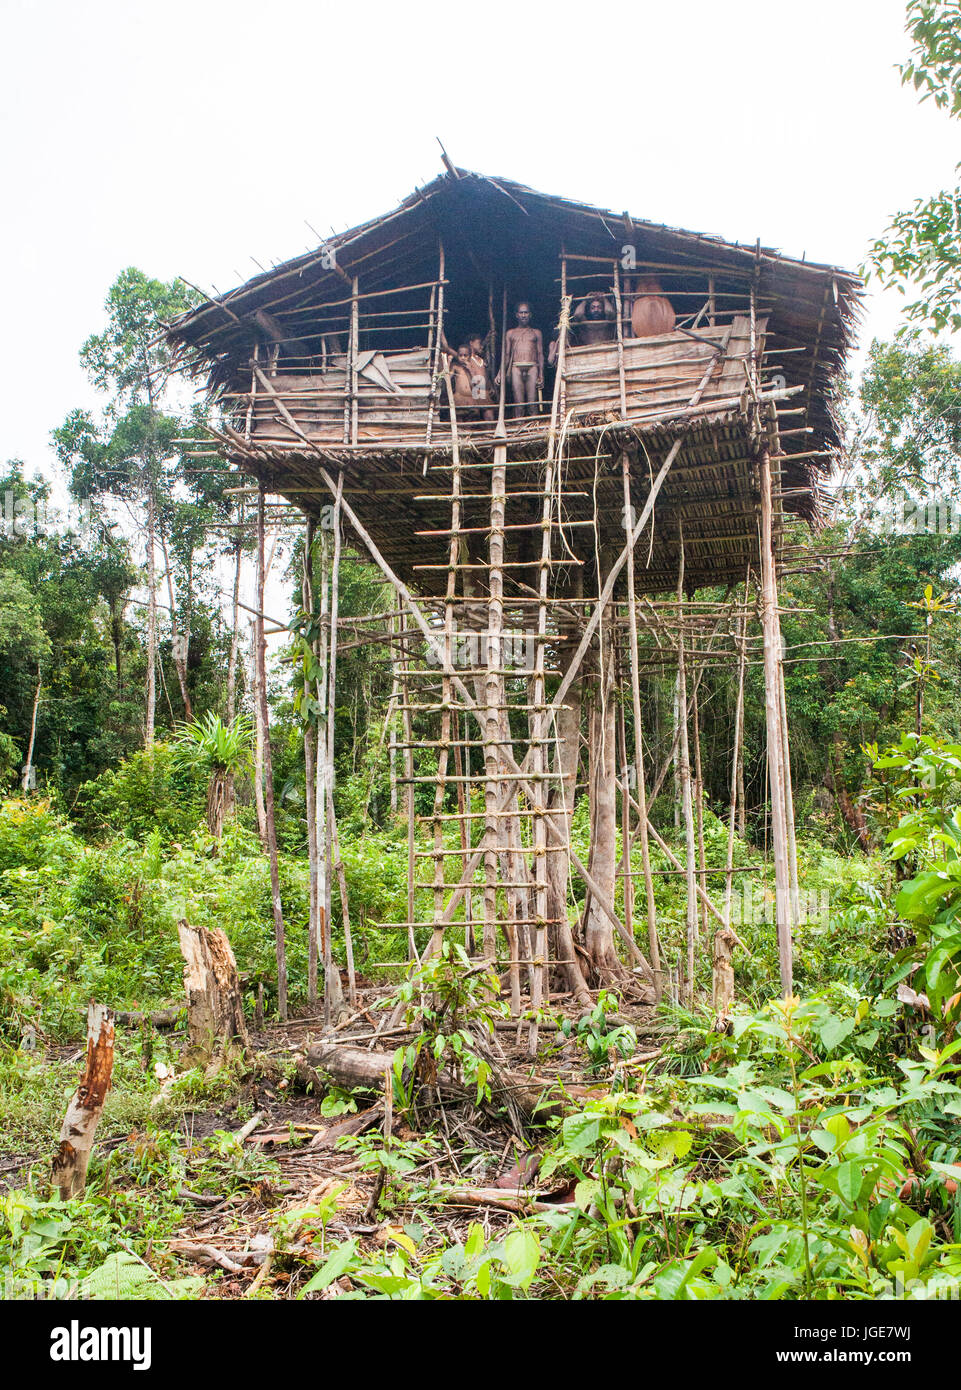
x: 524, y: 346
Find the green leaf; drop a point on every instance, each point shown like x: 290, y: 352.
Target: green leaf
x: 335, y: 1265
x: 581, y: 1133
x: 850, y: 1178
x: 521, y: 1255
x: 834, y: 1030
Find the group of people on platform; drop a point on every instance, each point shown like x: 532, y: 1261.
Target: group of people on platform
x: 594, y: 320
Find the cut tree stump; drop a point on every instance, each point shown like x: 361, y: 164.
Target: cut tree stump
x: 215, y: 1013
x: 725, y: 941
x: 80, y: 1123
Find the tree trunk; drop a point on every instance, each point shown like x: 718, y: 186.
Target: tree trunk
x: 86, y: 1106
x: 151, y: 712
x: 116, y: 636
x: 178, y: 642
x: 725, y: 941
x: 215, y: 1013
x: 28, y: 765
x: 851, y: 813
x: 219, y: 801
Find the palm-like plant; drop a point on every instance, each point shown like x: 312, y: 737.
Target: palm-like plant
x: 221, y: 751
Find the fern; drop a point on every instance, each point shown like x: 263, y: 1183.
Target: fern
x: 123, y: 1276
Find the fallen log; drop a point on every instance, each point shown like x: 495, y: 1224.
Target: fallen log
x: 234, y: 1262
x: 80, y: 1123
x: 162, y: 1018
x: 352, y: 1125
x: 354, y: 1068
x: 520, y: 1203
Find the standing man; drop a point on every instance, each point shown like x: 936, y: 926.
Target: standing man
x: 523, y: 362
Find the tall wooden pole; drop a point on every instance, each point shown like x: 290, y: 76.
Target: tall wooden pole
x: 699, y: 801
x: 639, y: 772
x: 789, y: 802
x: 310, y: 775
x: 622, y: 767
x: 333, y: 994
x: 279, y: 941
x: 684, y: 772
x: 771, y: 626
x: 317, y: 933
x: 736, y: 761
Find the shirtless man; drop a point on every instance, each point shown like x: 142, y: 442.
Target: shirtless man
x: 594, y: 319
x: 523, y: 362
x: 591, y: 322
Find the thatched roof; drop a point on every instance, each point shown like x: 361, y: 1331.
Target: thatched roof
x: 488, y: 224
x: 495, y: 230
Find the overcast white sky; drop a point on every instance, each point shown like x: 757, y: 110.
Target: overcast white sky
x: 188, y: 136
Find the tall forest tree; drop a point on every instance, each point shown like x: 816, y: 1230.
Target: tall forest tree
x: 131, y: 454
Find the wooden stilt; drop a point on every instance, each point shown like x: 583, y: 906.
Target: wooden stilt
x: 699, y: 801
x: 775, y: 742
x: 737, y: 758
x: 639, y: 772
x: 460, y: 764
x: 409, y: 802
x: 789, y: 802
x: 333, y: 994
x: 623, y: 768
x: 258, y: 736
x: 278, y: 912
x: 310, y: 778
x: 684, y: 776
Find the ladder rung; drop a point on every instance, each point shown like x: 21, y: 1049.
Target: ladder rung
x: 478, y: 709
x: 506, y: 671
x: 484, y: 496
x: 518, y: 526
x: 469, y: 743
x: 477, y: 779
x: 472, y: 849
x: 509, y: 565
x: 470, y: 922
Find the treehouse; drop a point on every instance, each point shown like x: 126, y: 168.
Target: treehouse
x: 533, y: 414
x: 339, y: 355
